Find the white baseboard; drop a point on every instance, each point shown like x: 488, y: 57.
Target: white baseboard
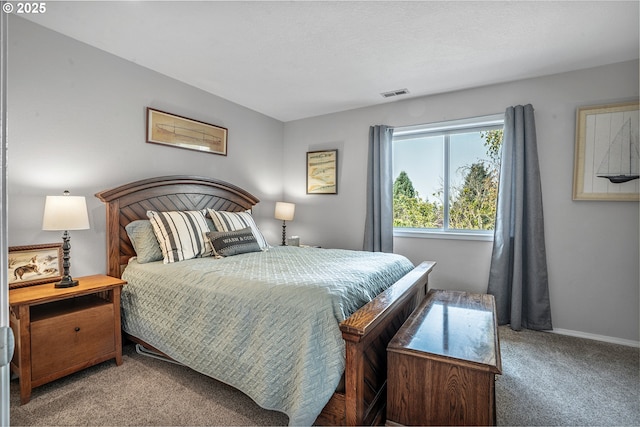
x: 605, y: 338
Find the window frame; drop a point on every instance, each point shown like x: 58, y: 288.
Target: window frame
x: 447, y: 128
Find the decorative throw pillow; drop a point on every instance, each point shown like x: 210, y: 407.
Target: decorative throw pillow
x: 228, y: 243
x: 232, y: 221
x: 181, y: 234
x: 144, y: 241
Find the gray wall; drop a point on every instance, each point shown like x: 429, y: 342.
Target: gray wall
x: 592, y: 247
x: 77, y: 121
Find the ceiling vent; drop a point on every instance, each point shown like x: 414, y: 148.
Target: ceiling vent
x: 397, y: 92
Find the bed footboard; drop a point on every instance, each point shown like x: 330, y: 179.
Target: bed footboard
x: 367, y: 333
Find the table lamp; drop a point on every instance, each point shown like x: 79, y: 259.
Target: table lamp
x: 284, y: 211
x: 64, y: 213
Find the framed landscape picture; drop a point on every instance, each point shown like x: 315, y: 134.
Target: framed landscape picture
x: 34, y: 264
x: 607, y: 161
x: 322, y: 172
x: 176, y: 131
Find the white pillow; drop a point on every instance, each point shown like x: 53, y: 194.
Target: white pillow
x: 233, y: 221
x: 181, y: 234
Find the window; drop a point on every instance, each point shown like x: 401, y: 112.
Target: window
x: 446, y: 177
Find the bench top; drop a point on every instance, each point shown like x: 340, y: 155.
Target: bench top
x: 453, y: 325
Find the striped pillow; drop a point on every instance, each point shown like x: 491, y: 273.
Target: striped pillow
x: 233, y: 221
x: 181, y: 234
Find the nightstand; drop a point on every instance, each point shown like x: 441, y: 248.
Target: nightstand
x: 59, y: 331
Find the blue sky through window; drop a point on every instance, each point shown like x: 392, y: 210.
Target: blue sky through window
x: 422, y: 160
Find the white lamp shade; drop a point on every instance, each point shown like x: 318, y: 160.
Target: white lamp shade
x: 284, y: 211
x: 65, y: 213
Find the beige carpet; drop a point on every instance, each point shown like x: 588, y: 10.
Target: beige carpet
x: 142, y: 391
x: 555, y: 380
x: 548, y: 379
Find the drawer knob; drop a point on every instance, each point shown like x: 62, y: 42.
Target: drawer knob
x: 77, y: 329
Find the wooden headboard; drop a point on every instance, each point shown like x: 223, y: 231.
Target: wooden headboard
x: 130, y: 202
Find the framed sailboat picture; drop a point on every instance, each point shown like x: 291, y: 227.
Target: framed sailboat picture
x: 607, y: 160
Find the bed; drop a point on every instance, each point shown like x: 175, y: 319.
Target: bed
x: 351, y: 385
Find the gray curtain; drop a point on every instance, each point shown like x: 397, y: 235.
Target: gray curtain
x: 378, y: 229
x: 518, y: 275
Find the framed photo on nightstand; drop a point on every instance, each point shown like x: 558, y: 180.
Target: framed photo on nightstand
x: 34, y: 264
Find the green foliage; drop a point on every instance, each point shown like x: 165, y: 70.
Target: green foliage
x: 472, y: 206
x: 413, y: 212
x: 493, y: 142
x: 409, y: 210
x: 403, y: 186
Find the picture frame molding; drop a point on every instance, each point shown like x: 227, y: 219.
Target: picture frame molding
x: 583, y: 146
x: 332, y: 182
x: 188, y: 139
x: 45, y: 248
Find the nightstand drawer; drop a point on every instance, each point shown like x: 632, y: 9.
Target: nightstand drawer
x: 69, y: 334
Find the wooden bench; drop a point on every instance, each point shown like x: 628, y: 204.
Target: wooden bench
x: 442, y: 363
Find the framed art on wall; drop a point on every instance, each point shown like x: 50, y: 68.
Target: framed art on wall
x: 176, y: 131
x: 607, y: 161
x: 322, y: 172
x: 34, y: 264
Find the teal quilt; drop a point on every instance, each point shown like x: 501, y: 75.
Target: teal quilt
x: 266, y: 323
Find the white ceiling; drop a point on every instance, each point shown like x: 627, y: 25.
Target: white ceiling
x: 297, y: 59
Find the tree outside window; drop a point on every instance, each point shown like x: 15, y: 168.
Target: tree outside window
x: 447, y: 180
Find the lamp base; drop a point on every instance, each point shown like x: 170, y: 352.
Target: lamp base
x: 66, y: 283
x: 284, y: 234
